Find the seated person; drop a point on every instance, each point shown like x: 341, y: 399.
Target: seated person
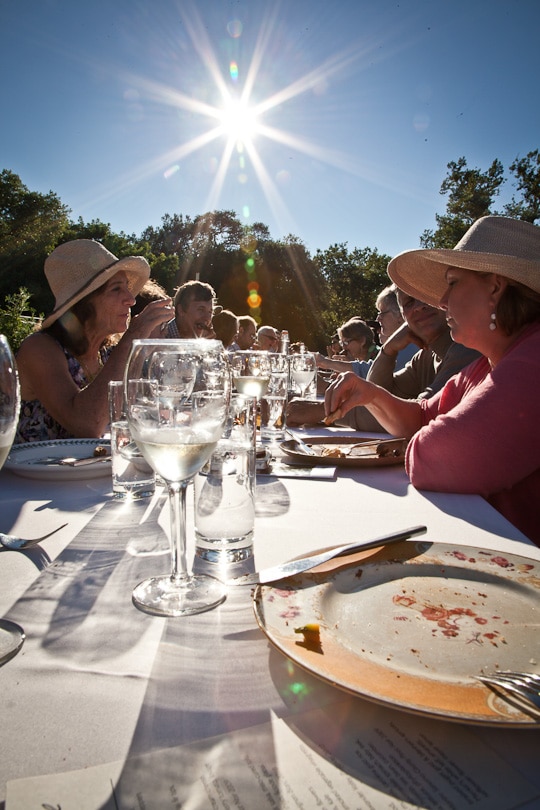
x: 65, y: 366
x: 267, y: 339
x: 194, y: 307
x: 357, y: 341
x: 389, y: 319
x: 247, y: 332
x: 225, y: 327
x: 424, y: 374
x: 480, y: 433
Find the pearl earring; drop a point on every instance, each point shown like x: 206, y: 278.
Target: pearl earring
x: 493, y: 324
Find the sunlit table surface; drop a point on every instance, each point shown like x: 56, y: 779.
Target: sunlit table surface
x: 99, y: 682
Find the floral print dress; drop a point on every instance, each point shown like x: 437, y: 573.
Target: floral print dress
x: 35, y: 423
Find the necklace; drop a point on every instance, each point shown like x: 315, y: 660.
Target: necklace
x: 89, y: 375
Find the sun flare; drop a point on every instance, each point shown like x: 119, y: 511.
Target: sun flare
x: 239, y: 121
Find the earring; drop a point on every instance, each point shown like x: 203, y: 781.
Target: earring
x: 493, y: 324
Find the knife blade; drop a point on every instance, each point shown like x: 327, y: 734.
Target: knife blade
x: 289, y: 569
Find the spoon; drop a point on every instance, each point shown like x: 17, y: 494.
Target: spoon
x: 14, y: 543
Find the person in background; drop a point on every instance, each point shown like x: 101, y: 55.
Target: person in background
x: 333, y: 350
x: 225, y: 326
x: 66, y: 365
x: 390, y: 318
x: 194, y: 306
x: 247, y: 332
x: 357, y: 341
x: 428, y: 370
x: 480, y: 434
x: 267, y: 339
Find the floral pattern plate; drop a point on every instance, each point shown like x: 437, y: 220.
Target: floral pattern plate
x: 410, y: 626
x: 37, y: 459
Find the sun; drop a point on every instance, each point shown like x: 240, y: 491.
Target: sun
x: 239, y: 121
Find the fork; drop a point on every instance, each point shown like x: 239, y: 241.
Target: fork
x: 13, y: 543
x: 523, y: 685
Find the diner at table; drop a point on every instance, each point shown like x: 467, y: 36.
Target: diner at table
x: 374, y: 679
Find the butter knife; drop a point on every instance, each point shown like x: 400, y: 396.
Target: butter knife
x: 289, y: 569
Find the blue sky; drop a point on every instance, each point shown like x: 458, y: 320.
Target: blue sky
x: 115, y: 106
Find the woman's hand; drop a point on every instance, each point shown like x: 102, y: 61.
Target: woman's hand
x: 346, y: 392
x: 150, y: 320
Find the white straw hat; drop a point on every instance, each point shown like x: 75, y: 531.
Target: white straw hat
x: 508, y: 247
x: 81, y: 266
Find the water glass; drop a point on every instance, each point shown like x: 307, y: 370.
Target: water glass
x: 132, y: 476
x: 272, y: 404
x: 9, y: 399
x: 225, y: 489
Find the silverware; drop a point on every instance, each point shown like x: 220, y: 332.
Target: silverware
x: 13, y: 543
x: 301, y: 443
x: 519, y: 688
x: 71, y: 461
x: 289, y: 569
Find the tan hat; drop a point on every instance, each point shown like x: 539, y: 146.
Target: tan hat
x: 508, y: 247
x: 81, y: 266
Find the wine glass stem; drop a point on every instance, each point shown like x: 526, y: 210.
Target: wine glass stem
x: 177, y: 505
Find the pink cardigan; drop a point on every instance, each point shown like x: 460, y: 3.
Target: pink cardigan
x: 481, y: 435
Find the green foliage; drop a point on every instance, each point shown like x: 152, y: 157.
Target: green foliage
x: 17, y: 318
x: 527, y: 172
x: 31, y: 225
x: 470, y: 196
x: 353, y: 279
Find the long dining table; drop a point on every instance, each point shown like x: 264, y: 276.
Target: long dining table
x: 108, y: 707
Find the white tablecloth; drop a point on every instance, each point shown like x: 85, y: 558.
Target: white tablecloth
x: 97, y: 681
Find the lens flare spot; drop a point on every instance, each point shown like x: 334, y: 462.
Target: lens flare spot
x: 233, y: 71
x: 242, y: 178
x: 254, y: 300
x: 235, y: 28
x: 172, y: 170
x: 283, y: 177
x: 421, y: 122
x: 245, y: 211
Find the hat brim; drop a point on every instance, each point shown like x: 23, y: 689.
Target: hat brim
x: 422, y: 273
x: 136, y: 268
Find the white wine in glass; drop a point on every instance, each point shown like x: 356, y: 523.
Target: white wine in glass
x: 177, y: 394
x: 250, y: 372
x: 303, y: 370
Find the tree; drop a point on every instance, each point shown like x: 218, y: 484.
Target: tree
x: 353, y: 279
x: 527, y: 172
x: 31, y: 225
x: 17, y: 318
x: 470, y: 196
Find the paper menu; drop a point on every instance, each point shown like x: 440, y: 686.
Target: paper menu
x: 329, y: 758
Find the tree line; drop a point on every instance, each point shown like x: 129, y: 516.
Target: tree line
x: 276, y: 281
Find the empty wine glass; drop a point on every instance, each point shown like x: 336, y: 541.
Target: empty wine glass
x: 9, y: 399
x: 303, y: 370
x: 177, y: 394
x: 273, y: 401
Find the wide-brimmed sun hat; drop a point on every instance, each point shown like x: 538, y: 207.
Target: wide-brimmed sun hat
x: 81, y: 266
x: 509, y: 247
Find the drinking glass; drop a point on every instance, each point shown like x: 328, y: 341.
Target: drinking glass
x: 273, y: 401
x: 250, y: 372
x: 177, y: 394
x: 303, y: 370
x: 9, y: 399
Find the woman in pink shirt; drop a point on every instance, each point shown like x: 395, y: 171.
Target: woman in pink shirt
x: 481, y: 433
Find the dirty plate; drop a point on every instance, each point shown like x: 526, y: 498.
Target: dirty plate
x: 336, y: 451
x: 37, y: 459
x: 411, y: 625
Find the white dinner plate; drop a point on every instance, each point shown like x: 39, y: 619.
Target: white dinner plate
x: 36, y: 459
x: 412, y: 624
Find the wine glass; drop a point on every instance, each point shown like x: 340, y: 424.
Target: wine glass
x: 9, y: 399
x: 177, y: 394
x: 250, y: 372
x: 303, y: 370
